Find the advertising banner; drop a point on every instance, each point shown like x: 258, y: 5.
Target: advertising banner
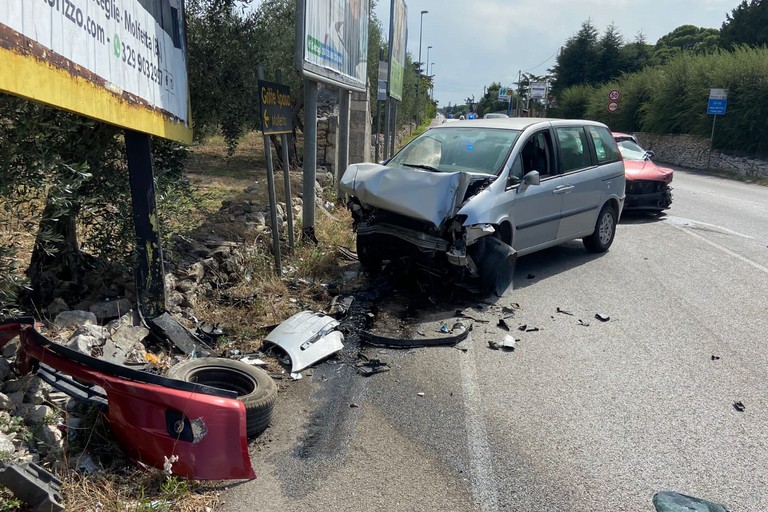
x: 118, y: 61
x: 398, y: 36
x: 538, y: 90
x: 336, y: 41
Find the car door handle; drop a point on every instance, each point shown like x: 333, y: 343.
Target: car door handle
x: 562, y: 189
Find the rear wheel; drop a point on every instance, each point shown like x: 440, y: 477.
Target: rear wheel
x: 605, y: 229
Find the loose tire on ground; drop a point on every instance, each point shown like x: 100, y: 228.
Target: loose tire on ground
x: 254, y: 387
x: 605, y: 230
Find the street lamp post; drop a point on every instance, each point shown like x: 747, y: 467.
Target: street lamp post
x: 427, y: 61
x: 418, y: 76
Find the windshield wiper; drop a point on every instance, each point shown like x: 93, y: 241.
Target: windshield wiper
x: 423, y: 166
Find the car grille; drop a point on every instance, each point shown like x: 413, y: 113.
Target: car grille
x: 641, y: 187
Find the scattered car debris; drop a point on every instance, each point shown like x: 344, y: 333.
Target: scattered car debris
x: 254, y: 361
x: 420, y: 394
x: 503, y: 324
x: 507, y: 344
x: 150, y: 416
x: 739, y: 406
x: 532, y: 329
x: 340, y: 305
x: 459, y: 333
x: 668, y: 501
x: 33, y: 485
x: 307, y: 338
x: 296, y: 376
x: 563, y: 311
x: 602, y: 317
x: 715, y: 358
x: 583, y: 323
x: 444, y: 329
x: 167, y: 327
x: 353, y: 405
x: 525, y: 328
x: 462, y: 314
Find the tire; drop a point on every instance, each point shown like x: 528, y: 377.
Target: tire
x: 370, y: 260
x: 254, y: 387
x: 605, y: 230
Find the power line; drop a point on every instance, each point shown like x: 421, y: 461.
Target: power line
x: 550, y: 58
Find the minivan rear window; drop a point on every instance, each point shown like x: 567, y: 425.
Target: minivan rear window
x: 605, y: 146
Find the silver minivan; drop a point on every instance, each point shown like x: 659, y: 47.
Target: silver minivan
x: 463, y: 200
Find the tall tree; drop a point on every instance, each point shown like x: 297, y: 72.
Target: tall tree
x: 577, y: 62
x: 686, y: 38
x: 746, y: 24
x: 609, y: 61
x: 636, y: 55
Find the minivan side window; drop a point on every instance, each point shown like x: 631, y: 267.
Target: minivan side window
x: 605, y: 146
x: 574, y: 148
x: 537, y: 155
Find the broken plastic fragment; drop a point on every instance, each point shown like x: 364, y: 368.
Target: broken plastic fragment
x: 739, y: 406
x: 715, y: 358
x: 503, y: 324
x: 307, y: 338
x: 296, y: 375
x: 582, y: 322
x: 602, y: 317
x: 564, y: 312
x: 254, y: 361
x: 444, y: 329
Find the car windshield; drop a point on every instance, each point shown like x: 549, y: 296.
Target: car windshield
x: 465, y: 149
x: 631, y: 151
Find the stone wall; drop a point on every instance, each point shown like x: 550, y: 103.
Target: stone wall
x: 693, y: 152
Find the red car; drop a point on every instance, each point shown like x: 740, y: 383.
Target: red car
x: 647, y: 184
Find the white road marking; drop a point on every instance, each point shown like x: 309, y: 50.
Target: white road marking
x: 483, y: 484
x: 680, y: 222
x: 739, y: 257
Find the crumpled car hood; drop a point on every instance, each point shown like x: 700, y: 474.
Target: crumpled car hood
x: 423, y: 195
x: 646, y: 170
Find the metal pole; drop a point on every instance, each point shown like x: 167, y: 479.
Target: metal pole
x: 343, y: 161
x: 711, y: 138
x: 378, y: 130
x: 272, y: 195
x: 310, y: 160
x: 394, y: 129
x: 150, y: 274
x: 387, y: 125
x: 288, y: 197
x: 426, y: 72
x: 418, y: 74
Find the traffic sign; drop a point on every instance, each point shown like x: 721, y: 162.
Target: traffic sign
x: 718, y: 101
x: 613, y: 106
x: 276, y: 112
x: 614, y: 95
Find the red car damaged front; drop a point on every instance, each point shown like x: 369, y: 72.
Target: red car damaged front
x: 154, y: 419
x: 647, y: 184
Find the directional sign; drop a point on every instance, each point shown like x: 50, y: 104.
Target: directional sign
x: 614, y: 95
x: 276, y: 112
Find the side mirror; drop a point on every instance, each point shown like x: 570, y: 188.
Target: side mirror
x: 649, y: 154
x: 532, y: 178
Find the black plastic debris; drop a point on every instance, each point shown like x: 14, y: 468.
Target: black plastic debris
x: 739, y: 406
x: 522, y: 327
x: 503, y: 324
x: 532, y: 329
x: 166, y: 327
x: 531, y: 276
x: 32, y: 484
x: 339, y: 305
x: 372, y: 366
x: 564, y: 312
x: 582, y: 322
x: 602, y: 317
x: 459, y: 332
x: 715, y: 358
x: 668, y: 501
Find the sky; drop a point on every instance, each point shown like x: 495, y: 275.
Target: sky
x: 477, y: 42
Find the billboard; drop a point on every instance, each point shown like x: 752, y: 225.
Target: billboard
x: 334, y: 42
x: 398, y: 35
x: 119, y: 61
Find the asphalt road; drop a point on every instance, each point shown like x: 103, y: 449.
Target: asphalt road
x: 592, y: 417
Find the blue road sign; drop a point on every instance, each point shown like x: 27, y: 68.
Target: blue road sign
x: 717, y: 106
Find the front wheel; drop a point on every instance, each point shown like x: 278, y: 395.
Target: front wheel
x: 605, y: 229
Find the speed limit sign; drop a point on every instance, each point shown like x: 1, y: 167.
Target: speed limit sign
x: 614, y: 95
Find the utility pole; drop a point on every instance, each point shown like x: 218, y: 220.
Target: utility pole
x: 418, y: 74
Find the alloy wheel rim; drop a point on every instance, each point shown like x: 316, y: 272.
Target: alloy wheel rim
x: 606, y: 229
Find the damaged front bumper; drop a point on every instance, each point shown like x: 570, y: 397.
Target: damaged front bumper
x: 153, y: 418
x: 647, y: 195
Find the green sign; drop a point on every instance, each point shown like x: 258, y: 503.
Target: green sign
x: 276, y: 112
